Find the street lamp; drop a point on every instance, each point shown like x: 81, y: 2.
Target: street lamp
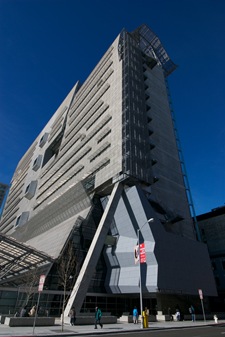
x: 138, y: 235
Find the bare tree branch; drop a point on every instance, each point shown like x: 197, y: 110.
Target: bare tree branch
x: 67, y: 272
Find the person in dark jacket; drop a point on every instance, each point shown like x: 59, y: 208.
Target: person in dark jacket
x: 192, y: 312
x: 98, y: 316
x: 72, y: 315
x: 24, y: 312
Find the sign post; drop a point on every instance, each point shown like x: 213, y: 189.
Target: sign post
x: 201, y: 298
x: 141, y: 257
x: 141, y: 304
x: 40, y: 289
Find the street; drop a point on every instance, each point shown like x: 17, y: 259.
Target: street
x: 122, y: 329
x: 208, y: 331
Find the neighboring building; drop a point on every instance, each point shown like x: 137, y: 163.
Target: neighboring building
x: 105, y: 163
x: 212, y: 226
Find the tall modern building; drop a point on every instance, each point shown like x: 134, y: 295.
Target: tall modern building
x: 106, y: 162
x: 212, y: 227
x: 3, y: 190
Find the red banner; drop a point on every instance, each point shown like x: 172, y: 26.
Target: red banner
x: 142, y: 253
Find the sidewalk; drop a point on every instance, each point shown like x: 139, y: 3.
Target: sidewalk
x: 79, y: 330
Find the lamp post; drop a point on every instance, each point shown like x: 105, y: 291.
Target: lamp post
x: 138, y: 235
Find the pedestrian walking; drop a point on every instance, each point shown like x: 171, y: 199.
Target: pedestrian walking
x: 72, y: 315
x: 98, y: 316
x: 192, y: 312
x: 135, y: 315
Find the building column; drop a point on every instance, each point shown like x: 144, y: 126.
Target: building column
x: 82, y: 283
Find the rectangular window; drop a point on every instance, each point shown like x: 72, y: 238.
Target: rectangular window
x: 17, y: 221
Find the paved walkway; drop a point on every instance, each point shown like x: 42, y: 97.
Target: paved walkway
x: 79, y: 330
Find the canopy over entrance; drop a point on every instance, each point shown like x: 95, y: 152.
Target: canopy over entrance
x: 16, y: 259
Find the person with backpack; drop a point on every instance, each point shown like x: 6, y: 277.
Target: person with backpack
x: 192, y: 312
x: 98, y: 316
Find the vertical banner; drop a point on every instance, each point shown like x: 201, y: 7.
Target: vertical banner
x: 40, y: 289
x: 200, y: 294
x: 136, y: 254
x: 142, y: 253
x: 41, y: 283
x: 139, y: 255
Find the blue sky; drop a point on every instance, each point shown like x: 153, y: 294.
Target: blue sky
x: 47, y: 45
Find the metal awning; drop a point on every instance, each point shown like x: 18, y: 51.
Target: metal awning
x: 17, y: 258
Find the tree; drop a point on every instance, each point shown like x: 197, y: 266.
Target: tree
x: 67, y: 272
x: 29, y: 287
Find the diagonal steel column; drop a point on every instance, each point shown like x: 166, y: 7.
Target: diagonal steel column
x: 81, y: 286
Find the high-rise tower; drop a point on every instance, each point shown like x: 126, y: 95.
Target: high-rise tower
x: 109, y: 153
